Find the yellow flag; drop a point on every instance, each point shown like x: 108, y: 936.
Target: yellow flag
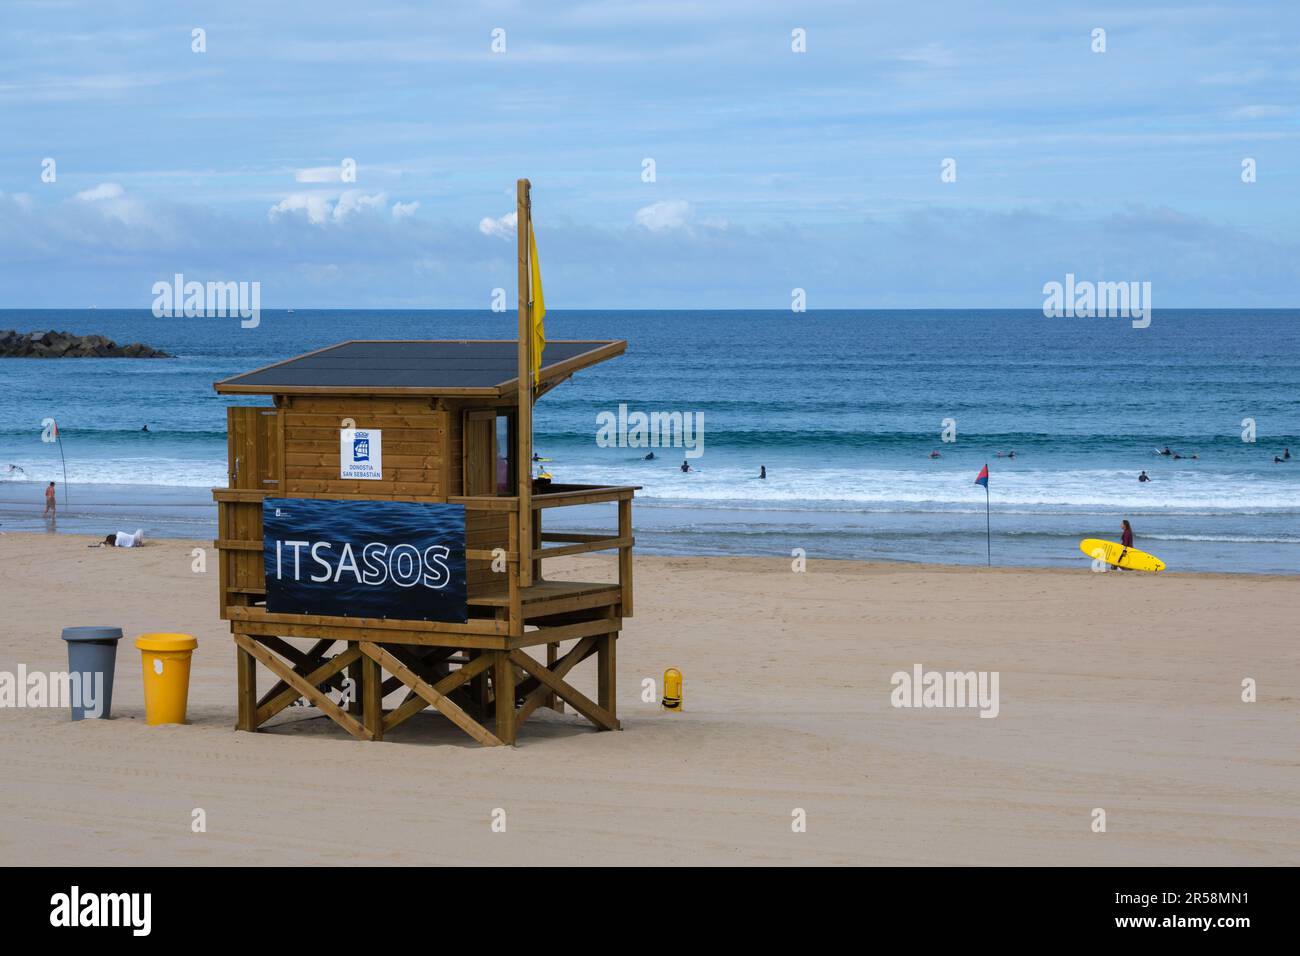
x: 536, y: 300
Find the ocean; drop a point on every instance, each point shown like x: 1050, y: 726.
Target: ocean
x: 842, y: 408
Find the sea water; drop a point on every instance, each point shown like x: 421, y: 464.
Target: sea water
x: 843, y: 409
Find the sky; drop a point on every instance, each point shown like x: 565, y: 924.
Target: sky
x: 773, y: 170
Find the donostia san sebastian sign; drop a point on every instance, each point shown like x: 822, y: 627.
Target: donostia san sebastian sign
x: 361, y: 453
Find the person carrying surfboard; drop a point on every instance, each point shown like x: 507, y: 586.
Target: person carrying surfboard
x: 1126, y: 539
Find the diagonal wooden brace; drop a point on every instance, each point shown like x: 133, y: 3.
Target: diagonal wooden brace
x: 305, y: 686
x: 439, y: 700
x: 579, y: 701
x: 416, y: 703
x: 540, y: 692
x: 303, y: 661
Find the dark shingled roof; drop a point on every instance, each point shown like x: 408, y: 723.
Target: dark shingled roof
x: 377, y: 367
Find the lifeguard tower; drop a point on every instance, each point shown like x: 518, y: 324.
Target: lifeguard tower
x: 385, y: 502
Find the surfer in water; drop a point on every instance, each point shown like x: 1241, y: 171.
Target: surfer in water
x: 649, y: 457
x: 762, y: 471
x: 1144, y: 477
x: 934, y: 454
x: 686, y: 466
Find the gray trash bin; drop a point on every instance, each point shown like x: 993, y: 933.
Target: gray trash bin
x: 92, y: 650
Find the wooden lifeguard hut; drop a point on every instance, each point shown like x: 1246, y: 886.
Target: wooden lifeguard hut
x: 385, y: 502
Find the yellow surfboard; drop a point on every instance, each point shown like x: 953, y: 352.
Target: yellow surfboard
x: 1109, y: 551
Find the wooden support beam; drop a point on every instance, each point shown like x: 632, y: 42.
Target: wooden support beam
x: 356, y: 671
x: 515, y: 617
x: 448, y: 707
x: 372, y: 697
x: 607, y: 674
x: 552, y: 654
x: 555, y: 634
x: 524, y: 386
x: 246, y: 684
x: 625, y: 555
x: 581, y: 702
x: 306, y: 687
x: 503, y: 686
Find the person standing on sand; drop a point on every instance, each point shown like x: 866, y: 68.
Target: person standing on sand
x: 1126, y: 539
x: 50, y: 506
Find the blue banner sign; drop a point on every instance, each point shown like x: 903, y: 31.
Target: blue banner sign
x: 383, y: 559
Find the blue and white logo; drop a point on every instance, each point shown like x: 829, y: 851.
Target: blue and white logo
x: 361, y: 454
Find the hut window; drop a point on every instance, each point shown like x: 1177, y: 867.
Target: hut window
x: 505, y: 455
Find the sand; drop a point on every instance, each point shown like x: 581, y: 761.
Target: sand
x: 1116, y: 691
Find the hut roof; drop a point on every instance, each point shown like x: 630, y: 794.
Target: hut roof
x: 388, y: 367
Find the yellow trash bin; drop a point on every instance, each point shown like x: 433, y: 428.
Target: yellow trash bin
x: 166, y: 659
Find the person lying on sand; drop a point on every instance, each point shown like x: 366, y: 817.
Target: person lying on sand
x: 122, y: 539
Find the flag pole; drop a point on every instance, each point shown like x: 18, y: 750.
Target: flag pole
x: 988, y: 526
x: 524, y: 417
x: 59, y: 435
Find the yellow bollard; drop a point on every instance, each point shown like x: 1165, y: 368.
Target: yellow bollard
x: 166, y: 661
x: 672, y: 689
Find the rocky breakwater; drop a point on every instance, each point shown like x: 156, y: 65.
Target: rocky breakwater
x: 15, y: 344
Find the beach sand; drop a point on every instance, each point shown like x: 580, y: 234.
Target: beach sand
x: 1117, y: 691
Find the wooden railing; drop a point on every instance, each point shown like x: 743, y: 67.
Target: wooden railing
x: 564, y: 544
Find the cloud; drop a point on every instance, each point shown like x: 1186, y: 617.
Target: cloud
x: 404, y: 210
x: 503, y: 228
x: 101, y: 192
x: 1258, y: 111
x: 665, y: 214
x: 319, y: 174
x: 321, y: 208
x: 931, y: 54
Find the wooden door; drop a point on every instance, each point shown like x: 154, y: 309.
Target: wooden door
x: 253, y: 447
x: 480, y: 459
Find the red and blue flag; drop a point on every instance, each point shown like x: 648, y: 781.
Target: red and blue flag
x: 983, y: 478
